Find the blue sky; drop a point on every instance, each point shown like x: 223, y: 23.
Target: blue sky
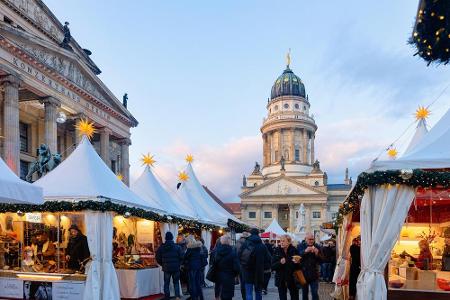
x: 198, y: 75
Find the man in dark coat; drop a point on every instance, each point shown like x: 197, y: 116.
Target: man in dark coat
x: 194, y: 261
x: 226, y: 265
x: 77, y: 250
x: 170, y: 256
x: 329, y: 258
x: 310, y: 265
x: 239, y: 244
x: 252, y: 256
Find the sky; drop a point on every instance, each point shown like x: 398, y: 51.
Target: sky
x: 198, y: 75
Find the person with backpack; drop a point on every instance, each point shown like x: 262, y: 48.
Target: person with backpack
x: 226, y: 266
x: 194, y: 261
x: 170, y: 256
x: 252, y: 256
x: 239, y: 245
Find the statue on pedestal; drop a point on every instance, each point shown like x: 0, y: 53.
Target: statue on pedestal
x: 282, y: 162
x: 67, y: 37
x: 45, y: 162
x: 125, y: 100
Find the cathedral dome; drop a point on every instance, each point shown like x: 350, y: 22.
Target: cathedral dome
x: 288, y: 84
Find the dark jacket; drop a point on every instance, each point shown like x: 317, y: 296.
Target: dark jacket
x: 78, y: 251
x: 270, y: 248
x: 227, y: 267
x: 284, y: 273
x: 253, y: 272
x: 169, y: 256
x: 310, y: 262
x: 194, y: 258
x: 329, y: 254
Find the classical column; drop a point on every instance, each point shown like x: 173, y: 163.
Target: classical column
x: 308, y: 218
x: 264, y: 137
x: 305, y: 146
x: 312, y: 147
x: 280, y: 145
x: 11, y: 144
x: 104, y: 145
x: 291, y: 217
x: 324, y: 213
x: 1, y: 124
x: 51, y: 105
x: 275, y: 212
x: 292, y: 146
x: 124, y: 157
x: 258, y: 215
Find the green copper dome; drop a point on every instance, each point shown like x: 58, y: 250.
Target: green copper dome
x: 288, y: 84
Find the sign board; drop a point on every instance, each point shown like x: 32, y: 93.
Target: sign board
x: 144, y: 231
x: 11, y: 288
x: 68, y: 290
x: 33, y: 217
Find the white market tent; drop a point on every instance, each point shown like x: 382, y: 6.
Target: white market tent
x: 84, y: 176
x: 275, y: 228
x: 205, y: 208
x: 14, y: 190
x: 421, y: 131
x: 148, y: 188
x: 384, y: 208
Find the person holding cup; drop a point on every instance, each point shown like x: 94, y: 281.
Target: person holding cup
x: 285, y: 261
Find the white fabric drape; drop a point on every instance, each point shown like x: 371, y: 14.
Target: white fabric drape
x: 383, y: 212
x: 166, y: 227
x: 207, y: 237
x: 101, y: 282
x: 341, y: 273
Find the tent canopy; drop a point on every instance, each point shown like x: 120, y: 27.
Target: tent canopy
x: 84, y: 176
x: 203, y: 207
x: 148, y: 188
x: 432, y: 152
x: 275, y: 228
x: 14, y: 190
x: 421, y: 131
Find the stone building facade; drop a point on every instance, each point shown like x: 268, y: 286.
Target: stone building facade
x: 290, y: 175
x: 46, y: 75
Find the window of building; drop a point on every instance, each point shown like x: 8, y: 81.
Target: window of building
x: 286, y: 106
x: 297, y: 154
x: 276, y: 107
x: 316, y: 183
x: 296, y: 214
x: 316, y: 215
x: 113, y: 166
x: 23, y: 131
x: 334, y: 215
x: 267, y: 215
x: 24, y: 165
x: 297, y: 106
x: 252, y: 214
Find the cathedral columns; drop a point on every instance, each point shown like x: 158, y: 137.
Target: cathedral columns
x: 125, y: 159
x: 258, y: 215
x: 51, y: 105
x: 104, y: 145
x: 324, y: 213
x: 305, y: 146
x: 312, y: 147
x: 11, y: 144
x: 280, y: 145
x: 308, y: 217
x: 291, y: 217
x: 292, y: 148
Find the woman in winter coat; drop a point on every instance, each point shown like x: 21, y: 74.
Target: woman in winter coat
x: 226, y: 265
x: 285, y: 261
x: 194, y: 261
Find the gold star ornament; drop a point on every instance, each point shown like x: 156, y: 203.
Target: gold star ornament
x: 183, y: 176
x: 392, y: 153
x: 422, y: 113
x: 86, y: 128
x: 189, y: 158
x: 119, y: 176
x: 148, y: 160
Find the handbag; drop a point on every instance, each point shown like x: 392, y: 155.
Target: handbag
x: 211, y: 274
x: 300, y: 277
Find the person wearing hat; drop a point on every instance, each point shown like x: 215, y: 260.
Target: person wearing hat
x: 170, y: 256
x: 77, y: 250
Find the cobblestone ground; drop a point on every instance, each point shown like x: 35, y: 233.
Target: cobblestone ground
x: 324, y: 292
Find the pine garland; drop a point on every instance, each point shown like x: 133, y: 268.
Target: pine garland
x: 431, y: 36
x: 415, y: 178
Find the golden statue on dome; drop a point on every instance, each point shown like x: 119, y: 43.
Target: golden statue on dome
x: 288, y: 58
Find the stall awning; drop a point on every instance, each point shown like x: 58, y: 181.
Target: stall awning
x: 14, y: 190
x: 275, y: 228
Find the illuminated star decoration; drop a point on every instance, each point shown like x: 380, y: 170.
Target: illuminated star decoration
x: 189, y: 158
x: 392, y: 153
x: 119, y: 176
x: 183, y: 176
x: 422, y: 113
x: 86, y: 128
x: 147, y: 160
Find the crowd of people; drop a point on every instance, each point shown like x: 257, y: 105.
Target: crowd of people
x: 297, y: 267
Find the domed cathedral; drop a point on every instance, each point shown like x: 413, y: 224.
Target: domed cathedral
x: 290, y: 186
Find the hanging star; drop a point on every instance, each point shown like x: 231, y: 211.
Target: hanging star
x: 189, y: 158
x: 119, y: 176
x: 392, y: 153
x: 86, y: 128
x: 422, y: 113
x: 147, y: 160
x: 183, y: 176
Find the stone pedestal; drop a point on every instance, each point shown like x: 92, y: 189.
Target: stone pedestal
x: 51, y: 127
x: 104, y: 145
x: 11, y: 144
x: 125, y: 160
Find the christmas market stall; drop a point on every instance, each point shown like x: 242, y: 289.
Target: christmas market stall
x: 403, y: 206
x: 13, y: 191
x: 89, y: 213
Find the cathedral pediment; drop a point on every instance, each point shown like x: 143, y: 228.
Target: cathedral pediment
x: 282, y: 186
